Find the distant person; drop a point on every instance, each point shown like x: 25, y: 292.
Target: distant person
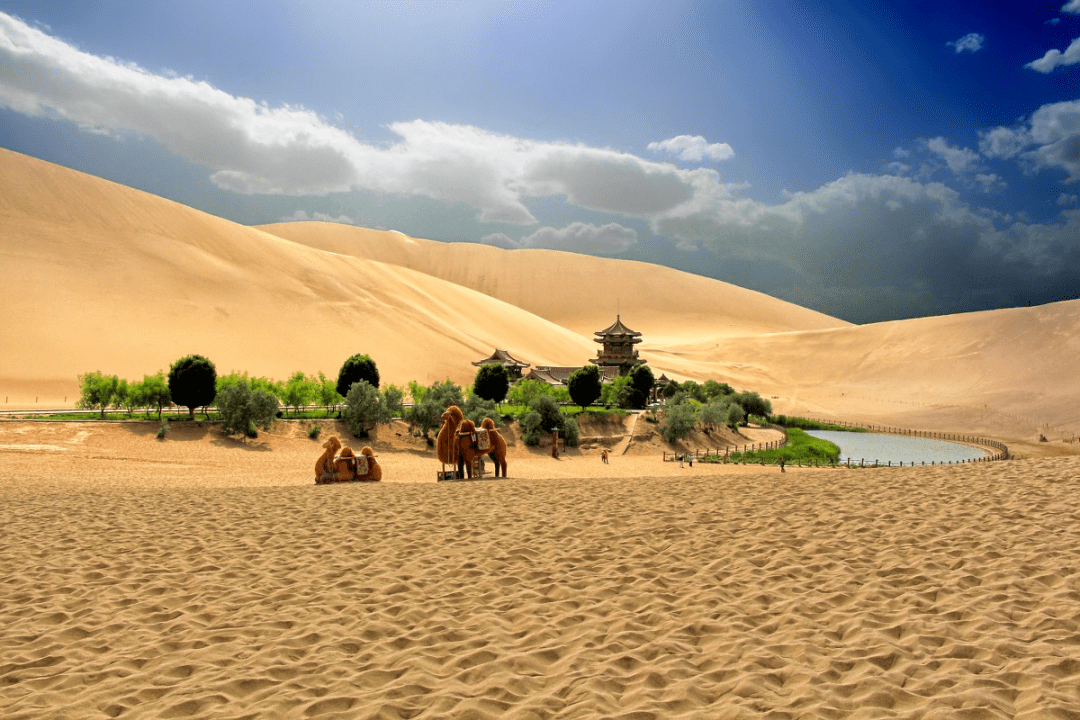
x: 603, y: 456
x: 680, y: 460
x: 782, y: 464
x: 691, y: 459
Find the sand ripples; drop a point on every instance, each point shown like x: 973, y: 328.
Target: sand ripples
x: 909, y: 594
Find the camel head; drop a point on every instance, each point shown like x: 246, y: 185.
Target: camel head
x: 333, y: 442
x: 453, y: 416
x: 488, y: 424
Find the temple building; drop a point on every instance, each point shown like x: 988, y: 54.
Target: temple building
x: 514, y: 367
x: 618, y: 356
x: 618, y: 351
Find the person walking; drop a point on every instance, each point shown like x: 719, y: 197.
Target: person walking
x: 782, y: 463
x: 680, y: 460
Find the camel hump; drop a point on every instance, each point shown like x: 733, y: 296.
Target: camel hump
x: 488, y: 424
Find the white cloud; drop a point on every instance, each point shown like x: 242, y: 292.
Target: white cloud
x: 1050, y: 140
x: 255, y: 149
x: 972, y: 42
x: 1073, y: 6
x: 302, y: 216
x: 693, y: 147
x: 959, y: 160
x: 1003, y: 142
x: 579, y: 237
x: 1054, y: 58
x: 1068, y: 199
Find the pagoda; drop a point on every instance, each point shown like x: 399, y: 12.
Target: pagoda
x: 618, y: 351
x: 514, y: 367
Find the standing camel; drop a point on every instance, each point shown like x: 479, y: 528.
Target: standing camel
x: 487, y: 441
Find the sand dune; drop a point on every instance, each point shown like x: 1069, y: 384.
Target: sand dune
x: 666, y: 305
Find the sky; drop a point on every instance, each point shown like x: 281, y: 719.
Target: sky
x: 873, y: 161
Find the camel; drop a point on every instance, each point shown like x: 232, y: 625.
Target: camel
x: 346, y: 466
x: 485, y: 442
x: 324, y: 466
x: 446, y: 443
x: 498, y: 446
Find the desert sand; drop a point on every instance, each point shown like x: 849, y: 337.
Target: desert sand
x: 209, y: 577
x: 204, y: 577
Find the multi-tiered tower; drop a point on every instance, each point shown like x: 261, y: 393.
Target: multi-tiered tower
x: 618, y: 351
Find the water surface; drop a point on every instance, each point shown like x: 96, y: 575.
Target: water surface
x: 897, y: 448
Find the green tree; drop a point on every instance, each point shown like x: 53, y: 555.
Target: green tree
x: 155, y: 391
x: 585, y: 386
x: 526, y: 391
x: 753, y: 404
x: 97, y: 390
x: 735, y: 416
x: 694, y: 390
x: 193, y: 382
x: 670, y: 389
x: 242, y: 409
x: 715, y: 412
x: 426, y: 413
x: 299, y: 390
x: 122, y: 398
x: 358, y: 367
x: 642, y: 379
x: 714, y: 389
x: 327, y: 392
x: 679, y: 421
x: 492, y: 382
x: 364, y: 409
x: 393, y: 398
x: 477, y: 408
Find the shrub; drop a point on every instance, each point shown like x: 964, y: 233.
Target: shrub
x: 314, y: 431
x: 584, y: 386
x: 679, y: 421
x: 356, y: 368
x: 429, y: 404
x: 531, y: 428
x: 570, y: 432
x: 364, y: 409
x: 714, y: 389
x: 242, y: 408
x: 735, y: 416
x: 193, y: 382
x: 164, y: 429
x: 477, y: 408
x: 393, y: 398
x: 492, y: 382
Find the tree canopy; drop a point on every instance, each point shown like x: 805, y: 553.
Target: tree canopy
x: 358, y: 367
x: 585, y: 386
x: 193, y: 382
x: 492, y: 382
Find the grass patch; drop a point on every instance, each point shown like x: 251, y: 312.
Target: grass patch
x: 800, y: 448
x: 789, y: 421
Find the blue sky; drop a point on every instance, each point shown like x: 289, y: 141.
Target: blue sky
x: 873, y: 163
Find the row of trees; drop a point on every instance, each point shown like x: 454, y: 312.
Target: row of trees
x: 720, y: 405
x: 245, y: 402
